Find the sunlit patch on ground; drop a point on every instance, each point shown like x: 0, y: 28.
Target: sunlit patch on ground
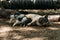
x: 56, y: 22
x: 36, y: 38
x: 5, y: 29
x: 53, y: 28
x: 25, y: 29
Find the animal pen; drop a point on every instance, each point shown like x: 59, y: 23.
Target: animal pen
x: 40, y: 7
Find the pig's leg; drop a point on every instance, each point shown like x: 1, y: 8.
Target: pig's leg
x: 37, y: 23
x: 23, y: 21
x: 31, y: 22
x: 15, y: 23
x: 10, y: 20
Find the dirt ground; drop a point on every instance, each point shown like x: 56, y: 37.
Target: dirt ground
x: 28, y: 33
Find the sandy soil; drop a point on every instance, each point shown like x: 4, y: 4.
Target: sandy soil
x: 28, y: 33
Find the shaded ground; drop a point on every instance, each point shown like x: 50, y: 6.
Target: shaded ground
x: 28, y: 33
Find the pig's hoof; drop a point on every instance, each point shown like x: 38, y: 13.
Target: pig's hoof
x: 28, y: 24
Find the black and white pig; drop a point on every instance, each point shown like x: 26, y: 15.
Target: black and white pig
x: 17, y: 15
x: 43, y: 21
x: 28, y: 19
x: 25, y: 21
x: 38, y: 20
x: 33, y: 18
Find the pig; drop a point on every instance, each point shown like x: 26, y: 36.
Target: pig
x: 43, y: 21
x: 30, y: 17
x: 34, y: 17
x: 38, y: 19
x: 17, y: 15
x: 25, y: 21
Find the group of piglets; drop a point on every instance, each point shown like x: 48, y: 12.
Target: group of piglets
x: 26, y: 19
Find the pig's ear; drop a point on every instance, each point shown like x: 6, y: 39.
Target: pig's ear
x: 46, y: 16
